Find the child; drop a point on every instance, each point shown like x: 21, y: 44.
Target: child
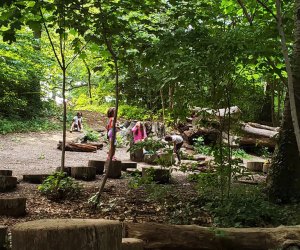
x: 177, y: 142
x: 77, y: 122
x: 139, y: 132
x: 109, y: 128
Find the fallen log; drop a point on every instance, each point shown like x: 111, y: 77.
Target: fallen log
x: 98, y: 145
x: 221, y: 113
x: 77, y: 147
x: 191, y: 237
x: 257, y: 131
x: 257, y: 125
x: 261, y: 142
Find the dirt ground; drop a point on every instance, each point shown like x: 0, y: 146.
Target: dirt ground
x: 32, y: 153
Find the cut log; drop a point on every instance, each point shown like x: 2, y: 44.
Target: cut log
x: 7, y: 183
x: 137, y: 155
x: 257, y: 142
x: 67, y: 234
x: 3, y: 238
x: 13, y: 206
x: 132, y: 244
x: 83, y: 173
x: 191, y: 237
x: 150, y: 158
x: 115, y: 169
x: 256, y: 166
x: 128, y: 164
x: 6, y: 172
x: 258, y: 132
x: 158, y: 174
x: 77, y: 147
x: 35, y: 178
x: 99, y: 165
x: 97, y: 145
x: 257, y: 125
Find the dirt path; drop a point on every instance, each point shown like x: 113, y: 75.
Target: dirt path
x: 32, y: 153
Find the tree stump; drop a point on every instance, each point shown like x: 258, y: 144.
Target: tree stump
x: 191, y: 237
x: 35, y: 178
x: 99, y: 165
x: 13, y: 206
x: 7, y: 183
x: 137, y: 155
x: 150, y: 158
x: 128, y: 164
x: 256, y: 166
x: 67, y: 234
x: 115, y: 169
x: 132, y: 244
x: 83, y: 173
x: 6, y: 172
x: 167, y: 158
x: 133, y: 171
x: 159, y: 174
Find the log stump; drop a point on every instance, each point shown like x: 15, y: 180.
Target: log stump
x: 3, y: 238
x: 7, y: 183
x: 132, y: 244
x: 13, y: 206
x: 67, y: 234
x: 133, y: 171
x: 167, y: 158
x: 35, y: 178
x: 160, y: 175
x: 6, y: 172
x: 137, y: 155
x: 150, y: 158
x: 128, y: 164
x: 83, y: 173
x: 256, y: 166
x: 115, y: 169
x: 99, y: 165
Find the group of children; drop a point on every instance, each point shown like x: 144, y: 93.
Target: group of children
x: 138, y: 131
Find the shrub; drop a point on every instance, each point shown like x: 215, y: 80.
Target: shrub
x: 59, y: 186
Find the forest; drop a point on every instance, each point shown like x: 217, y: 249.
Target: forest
x: 223, y: 74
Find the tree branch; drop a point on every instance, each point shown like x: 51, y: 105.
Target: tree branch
x: 267, y: 8
x: 249, y: 18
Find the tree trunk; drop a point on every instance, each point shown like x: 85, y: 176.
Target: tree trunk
x: 284, y: 175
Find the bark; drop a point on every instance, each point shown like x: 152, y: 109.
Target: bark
x: 77, y: 147
x: 191, y: 237
x: 260, y: 142
x: 284, y: 174
x: 257, y: 132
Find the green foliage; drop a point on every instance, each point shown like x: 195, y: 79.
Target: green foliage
x: 92, y: 135
x: 59, y: 186
x: 149, y: 144
x: 37, y: 124
x: 200, y: 148
x: 133, y: 112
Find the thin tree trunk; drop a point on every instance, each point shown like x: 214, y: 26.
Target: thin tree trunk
x: 291, y: 86
x: 89, y: 81
x: 162, y: 105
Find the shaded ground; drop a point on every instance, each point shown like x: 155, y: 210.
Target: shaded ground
x: 33, y: 153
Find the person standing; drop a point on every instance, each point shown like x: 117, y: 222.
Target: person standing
x: 177, y: 144
x: 109, y: 128
x: 139, y: 132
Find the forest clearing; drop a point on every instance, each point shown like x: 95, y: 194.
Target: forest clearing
x: 156, y: 124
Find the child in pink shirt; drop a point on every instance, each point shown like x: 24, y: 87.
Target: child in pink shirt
x: 139, y: 132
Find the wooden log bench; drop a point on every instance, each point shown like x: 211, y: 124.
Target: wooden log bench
x: 7, y: 183
x: 6, y: 172
x: 13, y: 206
x: 114, y: 171
x: 67, y: 234
x: 83, y: 173
x: 35, y: 178
x: 256, y: 166
x: 132, y: 244
x: 128, y: 164
x: 99, y: 165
